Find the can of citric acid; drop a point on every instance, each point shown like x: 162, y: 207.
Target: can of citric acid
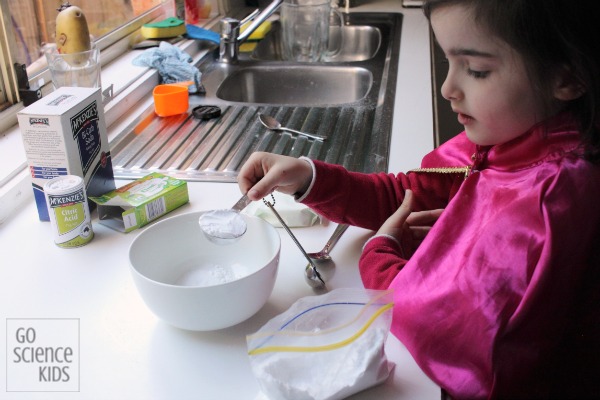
x: 69, y: 211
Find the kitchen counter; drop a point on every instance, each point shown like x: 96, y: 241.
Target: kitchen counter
x: 124, y: 351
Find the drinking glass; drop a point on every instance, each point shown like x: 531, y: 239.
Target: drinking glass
x: 75, y: 69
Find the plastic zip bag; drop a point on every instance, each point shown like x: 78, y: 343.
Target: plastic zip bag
x: 324, y: 347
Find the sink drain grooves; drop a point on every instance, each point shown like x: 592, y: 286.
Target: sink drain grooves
x: 178, y: 159
x: 144, y: 139
x: 174, y: 143
x: 215, y: 150
x: 339, y: 139
x: 245, y: 146
x: 376, y: 159
x: 205, y: 153
x: 233, y: 138
x: 158, y: 144
x: 357, y: 140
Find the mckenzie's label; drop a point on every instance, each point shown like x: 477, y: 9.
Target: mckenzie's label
x: 86, y: 134
x: 70, y: 218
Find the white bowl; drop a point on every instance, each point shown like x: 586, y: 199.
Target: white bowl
x: 192, y: 283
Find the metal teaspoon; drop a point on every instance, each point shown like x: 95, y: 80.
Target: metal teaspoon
x: 273, y: 124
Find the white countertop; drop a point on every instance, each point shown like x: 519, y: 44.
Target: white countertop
x: 125, y: 351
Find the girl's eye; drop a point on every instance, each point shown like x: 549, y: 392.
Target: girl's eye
x: 478, y: 74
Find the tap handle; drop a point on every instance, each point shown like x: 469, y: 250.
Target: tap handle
x: 230, y: 28
x: 259, y: 19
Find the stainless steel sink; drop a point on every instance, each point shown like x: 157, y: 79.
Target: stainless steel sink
x: 348, y: 98
x: 355, y: 43
x: 297, y: 85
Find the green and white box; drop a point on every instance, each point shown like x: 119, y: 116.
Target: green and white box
x: 140, y: 202
x: 64, y: 133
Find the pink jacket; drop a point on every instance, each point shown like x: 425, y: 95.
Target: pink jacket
x: 502, y: 299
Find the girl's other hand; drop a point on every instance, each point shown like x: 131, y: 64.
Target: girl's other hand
x: 265, y: 172
x: 407, y: 227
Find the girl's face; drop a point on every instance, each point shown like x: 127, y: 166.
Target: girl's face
x: 487, y: 84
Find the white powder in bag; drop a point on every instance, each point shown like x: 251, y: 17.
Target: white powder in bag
x: 326, y: 375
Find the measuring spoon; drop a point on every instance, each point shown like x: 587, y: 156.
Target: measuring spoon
x: 324, y: 253
x: 313, y: 278
x: 225, y: 226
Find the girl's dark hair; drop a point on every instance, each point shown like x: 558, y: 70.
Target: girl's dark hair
x: 550, y: 35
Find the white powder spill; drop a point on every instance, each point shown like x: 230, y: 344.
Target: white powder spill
x: 210, y: 274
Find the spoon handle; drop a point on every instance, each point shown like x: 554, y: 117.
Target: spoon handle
x: 339, y: 231
x: 241, y: 203
x: 316, y: 137
x: 289, y: 231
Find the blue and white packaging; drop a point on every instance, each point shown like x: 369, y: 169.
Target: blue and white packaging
x: 64, y: 133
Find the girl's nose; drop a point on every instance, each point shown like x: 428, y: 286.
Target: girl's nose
x: 450, y: 90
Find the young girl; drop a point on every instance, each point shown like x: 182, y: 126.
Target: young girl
x: 502, y: 297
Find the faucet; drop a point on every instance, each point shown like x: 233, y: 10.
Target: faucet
x: 230, y: 32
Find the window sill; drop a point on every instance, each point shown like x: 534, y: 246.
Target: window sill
x: 132, y: 86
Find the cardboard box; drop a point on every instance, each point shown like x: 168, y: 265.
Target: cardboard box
x: 141, y: 201
x: 64, y: 133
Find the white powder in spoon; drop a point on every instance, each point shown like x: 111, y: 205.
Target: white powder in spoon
x: 224, y: 224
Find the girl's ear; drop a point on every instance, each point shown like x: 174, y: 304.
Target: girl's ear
x: 567, y: 87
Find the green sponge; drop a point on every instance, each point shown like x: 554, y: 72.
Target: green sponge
x: 167, y: 28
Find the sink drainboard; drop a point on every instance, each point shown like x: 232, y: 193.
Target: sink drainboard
x: 214, y: 150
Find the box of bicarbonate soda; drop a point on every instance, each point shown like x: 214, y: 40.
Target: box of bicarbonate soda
x: 64, y: 133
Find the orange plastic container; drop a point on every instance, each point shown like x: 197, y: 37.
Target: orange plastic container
x: 171, y: 99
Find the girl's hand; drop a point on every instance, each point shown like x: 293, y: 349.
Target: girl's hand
x: 407, y: 227
x: 265, y: 172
